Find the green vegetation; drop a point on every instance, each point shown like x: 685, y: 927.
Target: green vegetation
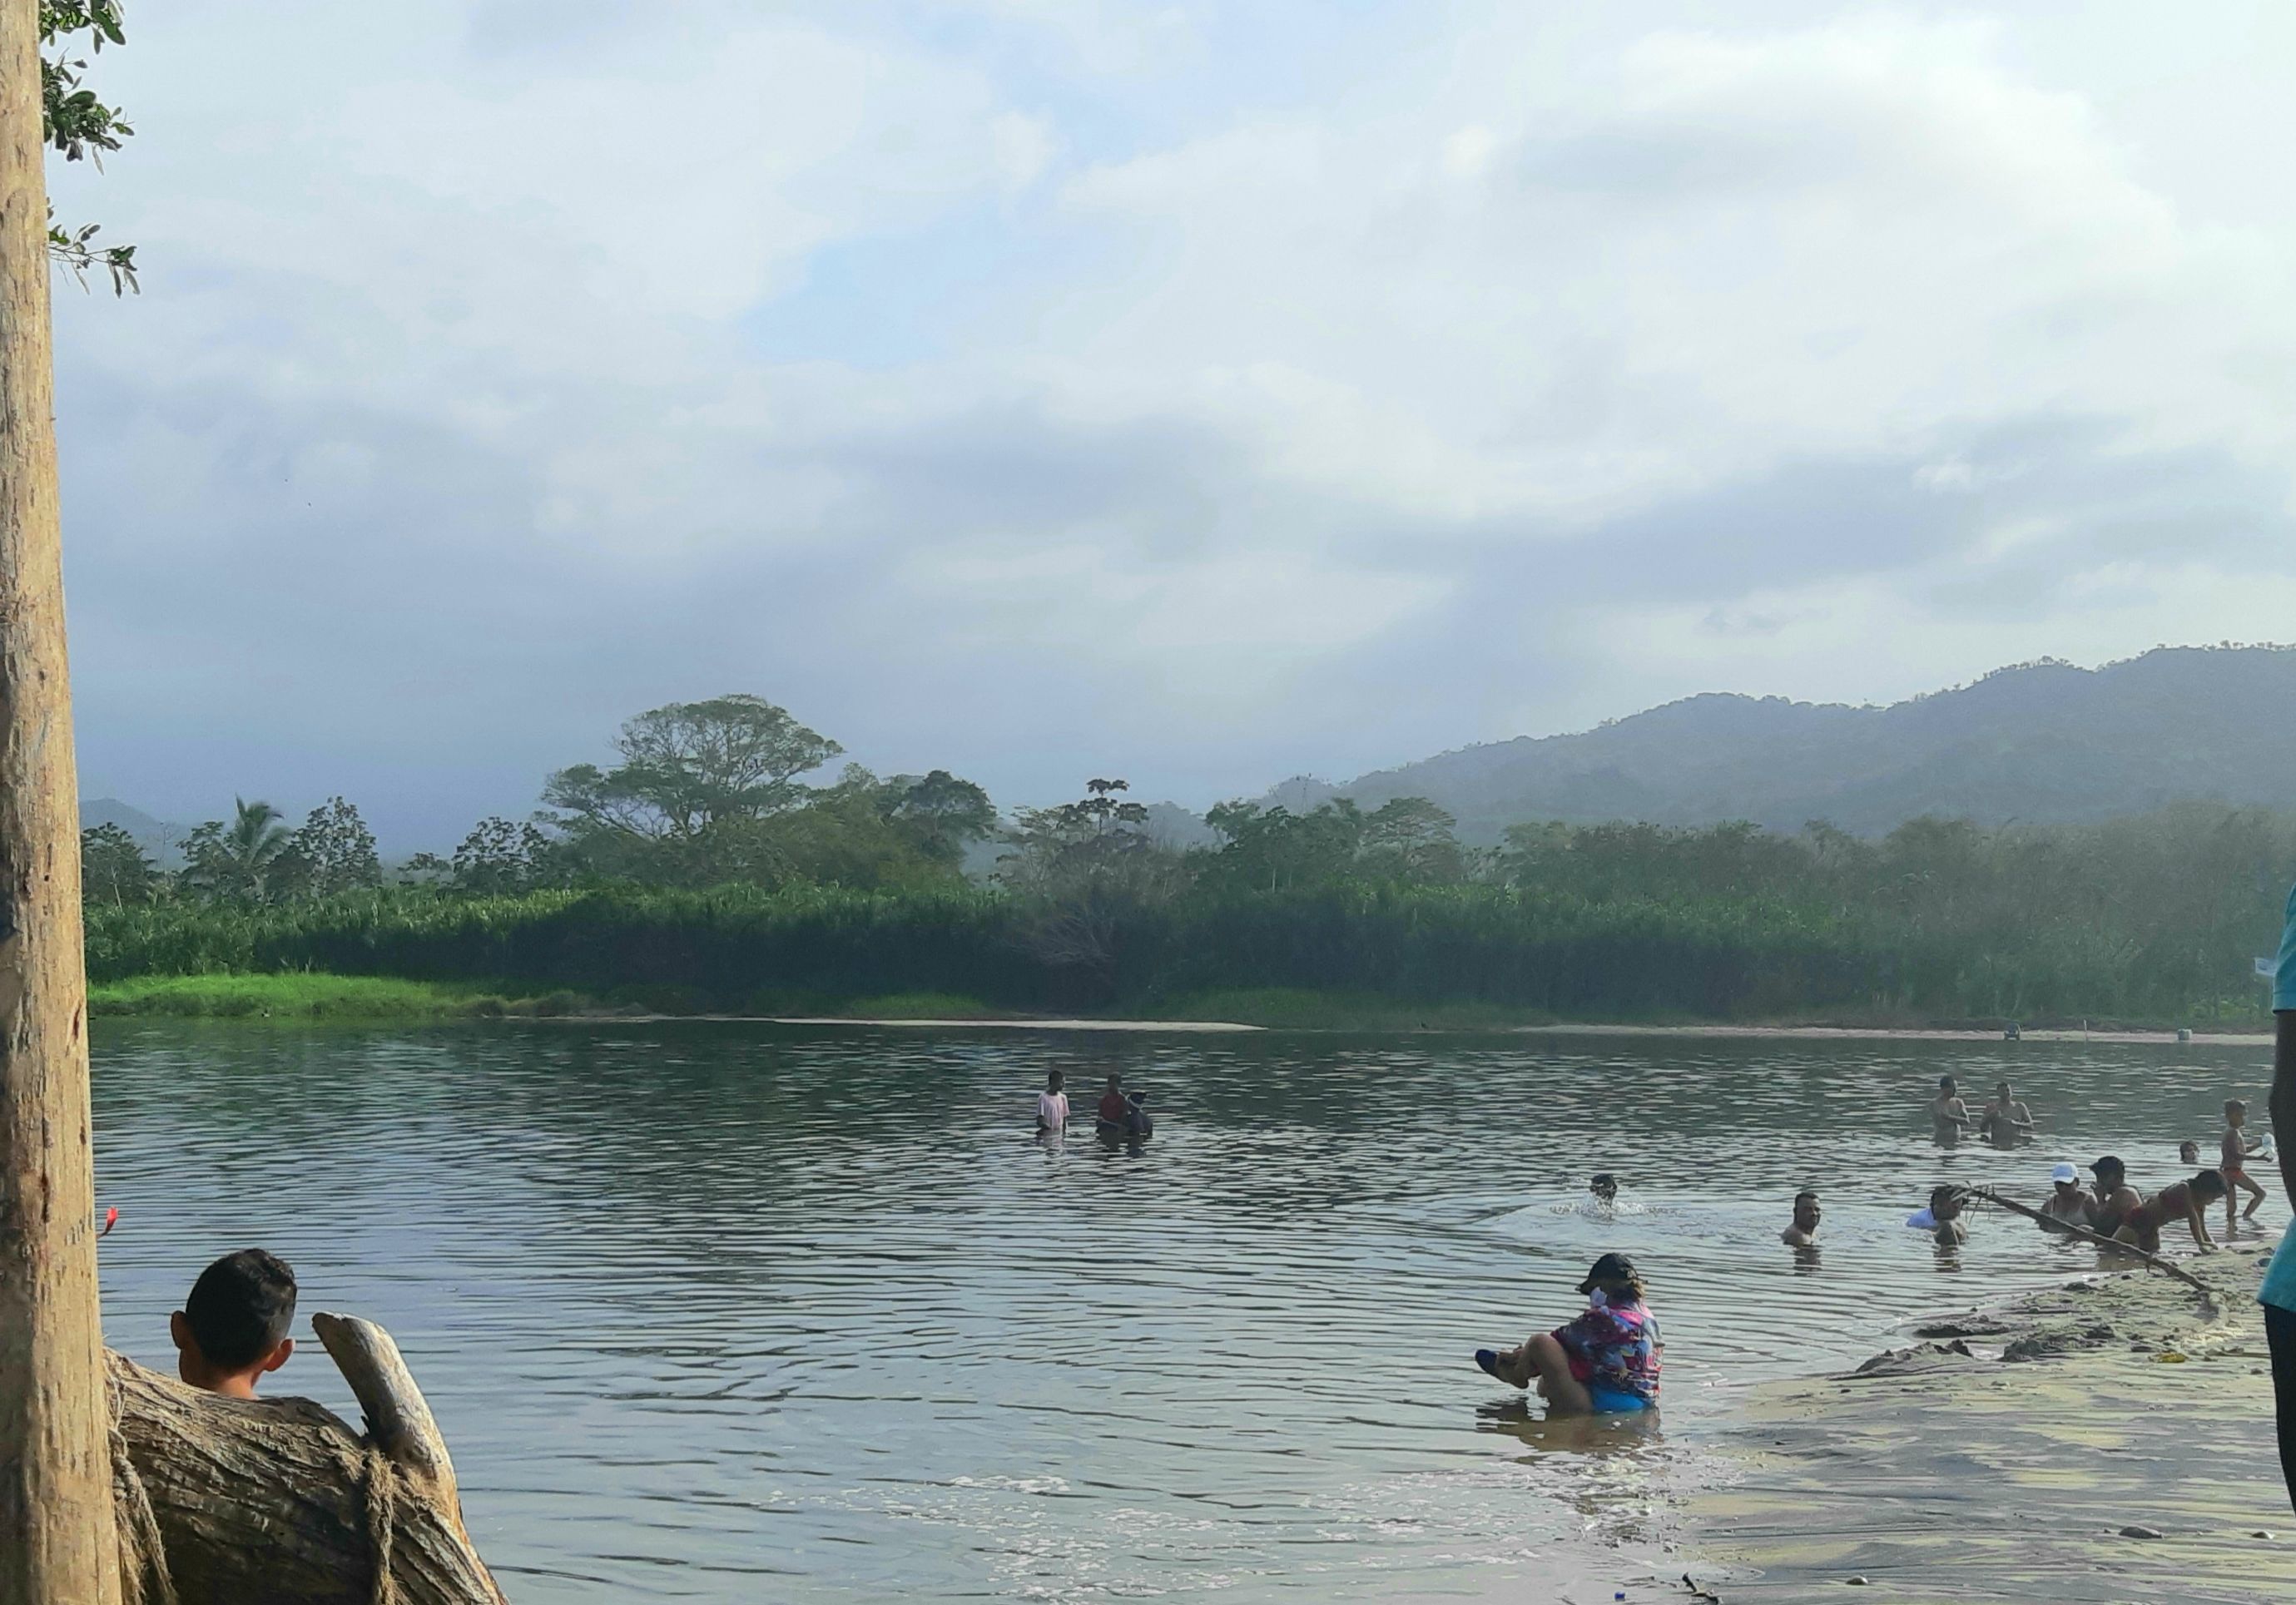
x: 288, y: 996
x: 698, y: 874
x: 80, y: 127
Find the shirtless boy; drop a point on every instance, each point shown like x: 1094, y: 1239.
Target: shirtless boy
x: 2006, y: 1122
x: 2237, y: 1148
x: 2113, y: 1199
x: 1948, y: 1116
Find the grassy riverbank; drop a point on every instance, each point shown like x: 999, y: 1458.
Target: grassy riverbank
x: 299, y: 995
x: 2114, y: 1429
x: 309, y: 994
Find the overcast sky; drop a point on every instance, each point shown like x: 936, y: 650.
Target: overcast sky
x: 1202, y: 393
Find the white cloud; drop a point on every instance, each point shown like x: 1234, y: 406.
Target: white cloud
x: 1480, y: 371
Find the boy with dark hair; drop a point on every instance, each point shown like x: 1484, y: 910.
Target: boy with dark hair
x: 234, y: 1327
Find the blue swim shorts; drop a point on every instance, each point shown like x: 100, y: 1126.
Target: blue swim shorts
x: 1609, y: 1402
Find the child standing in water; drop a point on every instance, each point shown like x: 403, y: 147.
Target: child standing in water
x: 1053, y: 1106
x: 2237, y: 1149
x: 1604, y: 1361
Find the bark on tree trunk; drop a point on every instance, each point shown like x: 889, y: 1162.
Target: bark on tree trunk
x: 56, y: 1544
x: 277, y: 1502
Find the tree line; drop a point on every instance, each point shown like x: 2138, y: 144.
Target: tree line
x: 702, y: 846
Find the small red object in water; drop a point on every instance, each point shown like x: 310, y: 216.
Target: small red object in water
x: 111, y: 1219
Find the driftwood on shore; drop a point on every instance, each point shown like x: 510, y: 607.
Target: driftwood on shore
x: 278, y: 1502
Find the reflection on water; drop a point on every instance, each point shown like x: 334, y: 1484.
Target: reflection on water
x: 716, y: 1311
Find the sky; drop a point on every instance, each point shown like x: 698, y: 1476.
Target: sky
x: 1200, y: 393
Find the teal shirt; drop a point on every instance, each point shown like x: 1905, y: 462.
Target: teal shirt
x: 2280, y: 1281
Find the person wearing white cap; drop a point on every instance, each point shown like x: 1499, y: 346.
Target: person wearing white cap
x: 2068, y: 1200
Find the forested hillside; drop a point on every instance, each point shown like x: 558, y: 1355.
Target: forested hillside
x: 2041, y: 743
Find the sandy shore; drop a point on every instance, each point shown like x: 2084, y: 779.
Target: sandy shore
x: 1893, y: 1033
x: 1021, y: 1022
x: 1195, y: 1025
x: 2109, y: 1440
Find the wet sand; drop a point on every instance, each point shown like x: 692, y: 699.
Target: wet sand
x: 2109, y: 1440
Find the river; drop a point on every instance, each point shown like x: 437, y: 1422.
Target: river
x: 716, y: 1311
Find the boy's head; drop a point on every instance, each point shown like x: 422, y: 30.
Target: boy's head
x: 2188, y: 1153
x: 1603, y: 1186
x: 2110, y: 1173
x: 234, y: 1327
x: 2235, y: 1111
x: 1944, y: 1086
x: 1805, y: 1211
x: 1944, y: 1202
x: 2208, y: 1185
x: 1054, y: 1081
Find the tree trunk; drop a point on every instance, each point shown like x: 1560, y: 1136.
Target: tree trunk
x: 277, y: 1502
x: 56, y: 1545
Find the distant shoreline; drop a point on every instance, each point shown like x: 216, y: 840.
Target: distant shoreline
x: 1903, y: 1034
x: 318, y: 996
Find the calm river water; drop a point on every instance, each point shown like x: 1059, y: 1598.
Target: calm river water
x: 725, y: 1312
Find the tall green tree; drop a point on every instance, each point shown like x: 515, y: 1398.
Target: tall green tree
x: 689, y: 765
x: 1085, y: 874
x: 332, y: 853
x: 499, y: 858
x: 240, y: 861
x: 114, y: 869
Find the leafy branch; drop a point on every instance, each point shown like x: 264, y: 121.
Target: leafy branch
x: 81, y: 126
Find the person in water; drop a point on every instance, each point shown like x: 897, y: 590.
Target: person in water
x: 1052, y: 1105
x: 2005, y: 1121
x: 1137, y: 1125
x: 233, y: 1329
x: 1945, y: 1224
x: 1803, y: 1232
x: 2235, y: 1150
x: 1606, y: 1361
x: 2068, y: 1200
x: 2188, y: 1153
x: 1948, y: 1116
x: 2113, y: 1199
x: 1604, y: 1186
x: 1112, y: 1106
x: 2180, y: 1200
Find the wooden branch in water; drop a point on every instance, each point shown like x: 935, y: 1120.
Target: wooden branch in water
x: 2053, y: 1224
x: 278, y: 1502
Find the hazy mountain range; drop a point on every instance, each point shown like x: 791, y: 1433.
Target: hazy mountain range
x: 2045, y: 742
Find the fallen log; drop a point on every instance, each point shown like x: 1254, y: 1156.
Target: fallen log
x: 278, y: 1502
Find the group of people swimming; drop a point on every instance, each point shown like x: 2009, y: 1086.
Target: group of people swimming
x: 1122, y: 1117
x: 1607, y: 1360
